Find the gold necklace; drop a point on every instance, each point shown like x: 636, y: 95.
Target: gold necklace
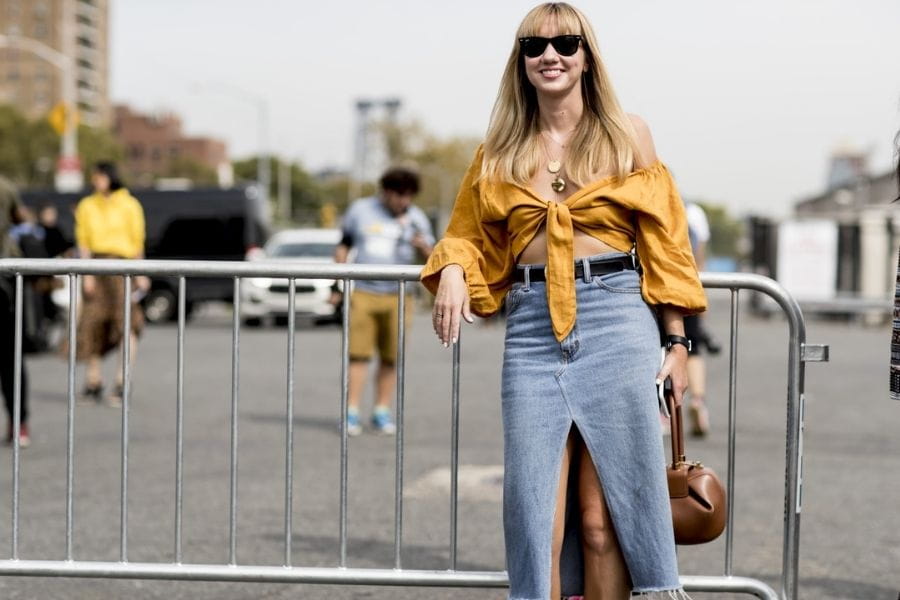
x: 553, y: 167
x: 558, y: 184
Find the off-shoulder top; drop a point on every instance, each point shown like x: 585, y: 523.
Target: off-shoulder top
x: 492, y: 222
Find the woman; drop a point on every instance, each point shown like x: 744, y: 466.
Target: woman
x: 108, y: 224
x: 566, y: 179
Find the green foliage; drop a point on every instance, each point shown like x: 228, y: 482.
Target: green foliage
x: 29, y: 148
x: 441, y: 163
x: 725, y: 232
x: 307, y: 194
x: 197, y: 172
x: 95, y: 145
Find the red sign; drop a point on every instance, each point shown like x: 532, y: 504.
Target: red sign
x: 68, y: 163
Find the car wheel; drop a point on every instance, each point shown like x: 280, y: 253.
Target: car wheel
x: 253, y: 322
x: 160, y: 306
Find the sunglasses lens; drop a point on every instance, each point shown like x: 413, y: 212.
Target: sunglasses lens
x: 566, y: 45
x: 534, y: 46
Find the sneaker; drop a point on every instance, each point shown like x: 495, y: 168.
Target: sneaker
x: 699, y: 419
x: 382, y: 422
x: 115, y: 399
x: 91, y: 394
x: 354, y: 427
x: 24, y: 437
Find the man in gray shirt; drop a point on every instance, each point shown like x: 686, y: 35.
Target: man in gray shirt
x: 383, y: 229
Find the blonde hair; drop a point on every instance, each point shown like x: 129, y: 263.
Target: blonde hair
x: 603, y: 140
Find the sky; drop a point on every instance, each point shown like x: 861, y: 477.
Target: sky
x: 745, y: 100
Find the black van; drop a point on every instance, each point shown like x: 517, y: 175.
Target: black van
x: 189, y: 224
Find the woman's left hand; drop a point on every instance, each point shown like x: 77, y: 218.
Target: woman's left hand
x: 675, y: 366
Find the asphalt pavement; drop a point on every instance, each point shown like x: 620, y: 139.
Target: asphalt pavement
x: 850, y: 527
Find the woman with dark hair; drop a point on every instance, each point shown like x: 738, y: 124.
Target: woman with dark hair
x: 108, y: 224
x: 564, y: 189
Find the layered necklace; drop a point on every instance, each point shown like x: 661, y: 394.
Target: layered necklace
x: 555, y: 166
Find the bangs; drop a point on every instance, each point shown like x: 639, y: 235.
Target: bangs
x: 560, y: 14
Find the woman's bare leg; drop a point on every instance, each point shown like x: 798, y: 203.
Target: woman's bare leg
x: 132, y: 357
x: 605, y: 572
x: 559, y: 519
x: 94, y: 374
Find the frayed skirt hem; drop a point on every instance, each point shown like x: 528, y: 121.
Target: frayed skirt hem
x: 678, y: 594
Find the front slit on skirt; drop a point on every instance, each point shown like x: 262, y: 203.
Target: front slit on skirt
x: 601, y: 380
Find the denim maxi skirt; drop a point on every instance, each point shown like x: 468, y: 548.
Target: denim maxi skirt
x: 600, y: 379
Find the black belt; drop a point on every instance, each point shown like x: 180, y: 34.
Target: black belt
x: 596, y: 267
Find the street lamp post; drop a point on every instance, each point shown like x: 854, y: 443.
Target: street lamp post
x: 263, y: 165
x: 68, y: 169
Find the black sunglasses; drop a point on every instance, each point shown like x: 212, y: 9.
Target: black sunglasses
x: 565, y: 45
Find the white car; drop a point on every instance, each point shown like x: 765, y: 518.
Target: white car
x: 263, y: 298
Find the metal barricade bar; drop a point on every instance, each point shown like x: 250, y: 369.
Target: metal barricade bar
x: 70, y: 417
x: 289, y: 430
x: 798, y: 353
x: 401, y: 396
x: 179, y: 420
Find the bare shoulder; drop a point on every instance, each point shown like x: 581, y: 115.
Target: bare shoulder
x: 645, y: 151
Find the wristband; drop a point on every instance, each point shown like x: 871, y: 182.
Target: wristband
x: 671, y: 340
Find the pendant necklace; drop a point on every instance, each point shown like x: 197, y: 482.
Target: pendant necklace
x: 553, y: 167
x: 558, y: 184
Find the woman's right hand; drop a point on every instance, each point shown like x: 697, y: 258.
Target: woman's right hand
x: 451, y: 301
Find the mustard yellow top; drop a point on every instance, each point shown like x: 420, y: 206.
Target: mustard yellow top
x: 492, y: 222
x: 110, y: 225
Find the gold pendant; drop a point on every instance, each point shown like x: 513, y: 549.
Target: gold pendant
x: 554, y: 166
x: 558, y: 184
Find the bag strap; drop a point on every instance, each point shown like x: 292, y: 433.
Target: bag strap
x: 676, y: 425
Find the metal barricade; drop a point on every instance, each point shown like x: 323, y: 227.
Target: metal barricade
x: 798, y: 354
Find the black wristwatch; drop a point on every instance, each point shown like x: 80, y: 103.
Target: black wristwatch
x: 671, y: 340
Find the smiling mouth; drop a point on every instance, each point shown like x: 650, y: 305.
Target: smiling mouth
x: 551, y: 73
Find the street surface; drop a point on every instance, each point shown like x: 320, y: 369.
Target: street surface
x: 850, y: 528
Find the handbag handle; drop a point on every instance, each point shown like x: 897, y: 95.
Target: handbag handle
x: 677, y: 429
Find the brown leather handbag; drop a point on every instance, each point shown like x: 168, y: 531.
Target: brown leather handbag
x: 698, y: 498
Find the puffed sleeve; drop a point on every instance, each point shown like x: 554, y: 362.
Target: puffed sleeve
x: 480, y: 248
x: 669, y: 272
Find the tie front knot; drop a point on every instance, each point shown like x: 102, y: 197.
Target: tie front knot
x: 560, y: 270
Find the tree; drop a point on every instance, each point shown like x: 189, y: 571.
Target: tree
x: 441, y: 162
x: 96, y: 144
x: 307, y: 194
x: 196, y: 171
x: 724, y: 231
x: 29, y: 149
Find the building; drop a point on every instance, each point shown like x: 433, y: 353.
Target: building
x: 842, y: 243
x: 868, y: 226
x: 74, y: 28
x: 155, y: 146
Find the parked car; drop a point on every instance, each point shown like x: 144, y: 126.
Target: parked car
x: 184, y: 224
x: 265, y: 298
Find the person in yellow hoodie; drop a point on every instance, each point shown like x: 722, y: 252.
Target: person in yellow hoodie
x: 108, y: 224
